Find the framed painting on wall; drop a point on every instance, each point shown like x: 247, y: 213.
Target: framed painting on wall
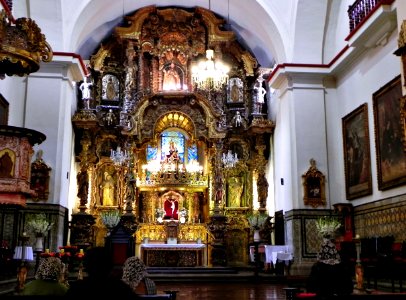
x: 313, y: 182
x: 391, y: 159
x: 357, y: 158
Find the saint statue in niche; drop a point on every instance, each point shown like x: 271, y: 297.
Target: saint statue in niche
x: 173, y: 155
x: 109, y: 118
x: 86, y: 89
x: 110, y: 89
x: 235, y: 90
x: 262, y: 187
x: 259, y: 97
x: 237, y: 119
x: 171, y: 79
x: 108, y: 190
x: 235, y: 93
x: 235, y: 190
x: 83, y: 186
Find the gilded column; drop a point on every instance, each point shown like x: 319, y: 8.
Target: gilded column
x: 262, y: 182
x: 140, y: 82
x: 190, y: 207
x: 217, y: 224
x: 150, y: 204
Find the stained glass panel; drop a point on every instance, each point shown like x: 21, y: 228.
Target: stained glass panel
x: 192, y: 153
x: 152, y: 153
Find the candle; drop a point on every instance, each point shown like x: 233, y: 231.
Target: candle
x: 81, y: 251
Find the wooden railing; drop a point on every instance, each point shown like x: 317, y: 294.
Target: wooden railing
x: 361, y: 9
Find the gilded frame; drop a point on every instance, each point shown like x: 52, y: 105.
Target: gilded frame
x: 313, y: 182
x: 357, y: 157
x: 235, y: 90
x: 390, y: 157
x: 99, y: 179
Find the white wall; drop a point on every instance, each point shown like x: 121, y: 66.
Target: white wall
x: 356, y: 86
x: 14, y: 90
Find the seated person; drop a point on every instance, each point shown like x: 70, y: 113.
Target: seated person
x: 135, y: 275
x: 99, y: 282
x: 329, y: 276
x: 47, y: 278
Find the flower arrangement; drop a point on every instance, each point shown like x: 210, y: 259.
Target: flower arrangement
x: 110, y: 218
x: 38, y: 224
x: 257, y: 219
x: 183, y: 212
x: 327, y: 225
x: 159, y: 212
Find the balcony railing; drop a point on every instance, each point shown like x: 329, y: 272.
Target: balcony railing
x: 362, y: 9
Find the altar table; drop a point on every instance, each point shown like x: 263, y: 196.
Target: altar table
x: 278, y: 255
x: 172, y: 255
x: 274, y: 253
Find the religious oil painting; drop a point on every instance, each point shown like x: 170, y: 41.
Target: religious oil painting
x: 390, y: 155
x: 357, y: 158
x: 313, y: 182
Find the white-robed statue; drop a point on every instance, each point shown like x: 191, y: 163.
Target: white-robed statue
x: 86, y: 89
x: 259, y: 97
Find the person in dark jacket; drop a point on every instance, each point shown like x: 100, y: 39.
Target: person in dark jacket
x: 99, y: 281
x: 329, y: 276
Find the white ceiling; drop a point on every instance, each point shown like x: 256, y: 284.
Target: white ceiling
x: 250, y: 21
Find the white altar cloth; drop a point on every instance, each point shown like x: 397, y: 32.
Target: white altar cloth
x: 274, y: 253
x: 173, y: 246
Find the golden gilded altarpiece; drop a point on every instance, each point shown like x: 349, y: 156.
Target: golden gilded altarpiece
x: 142, y: 93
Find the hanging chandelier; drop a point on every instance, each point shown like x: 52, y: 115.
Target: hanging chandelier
x: 229, y: 160
x: 209, y: 74
x: 119, y: 157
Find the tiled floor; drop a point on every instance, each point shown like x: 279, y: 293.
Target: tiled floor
x: 223, y: 291
x: 254, y: 291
